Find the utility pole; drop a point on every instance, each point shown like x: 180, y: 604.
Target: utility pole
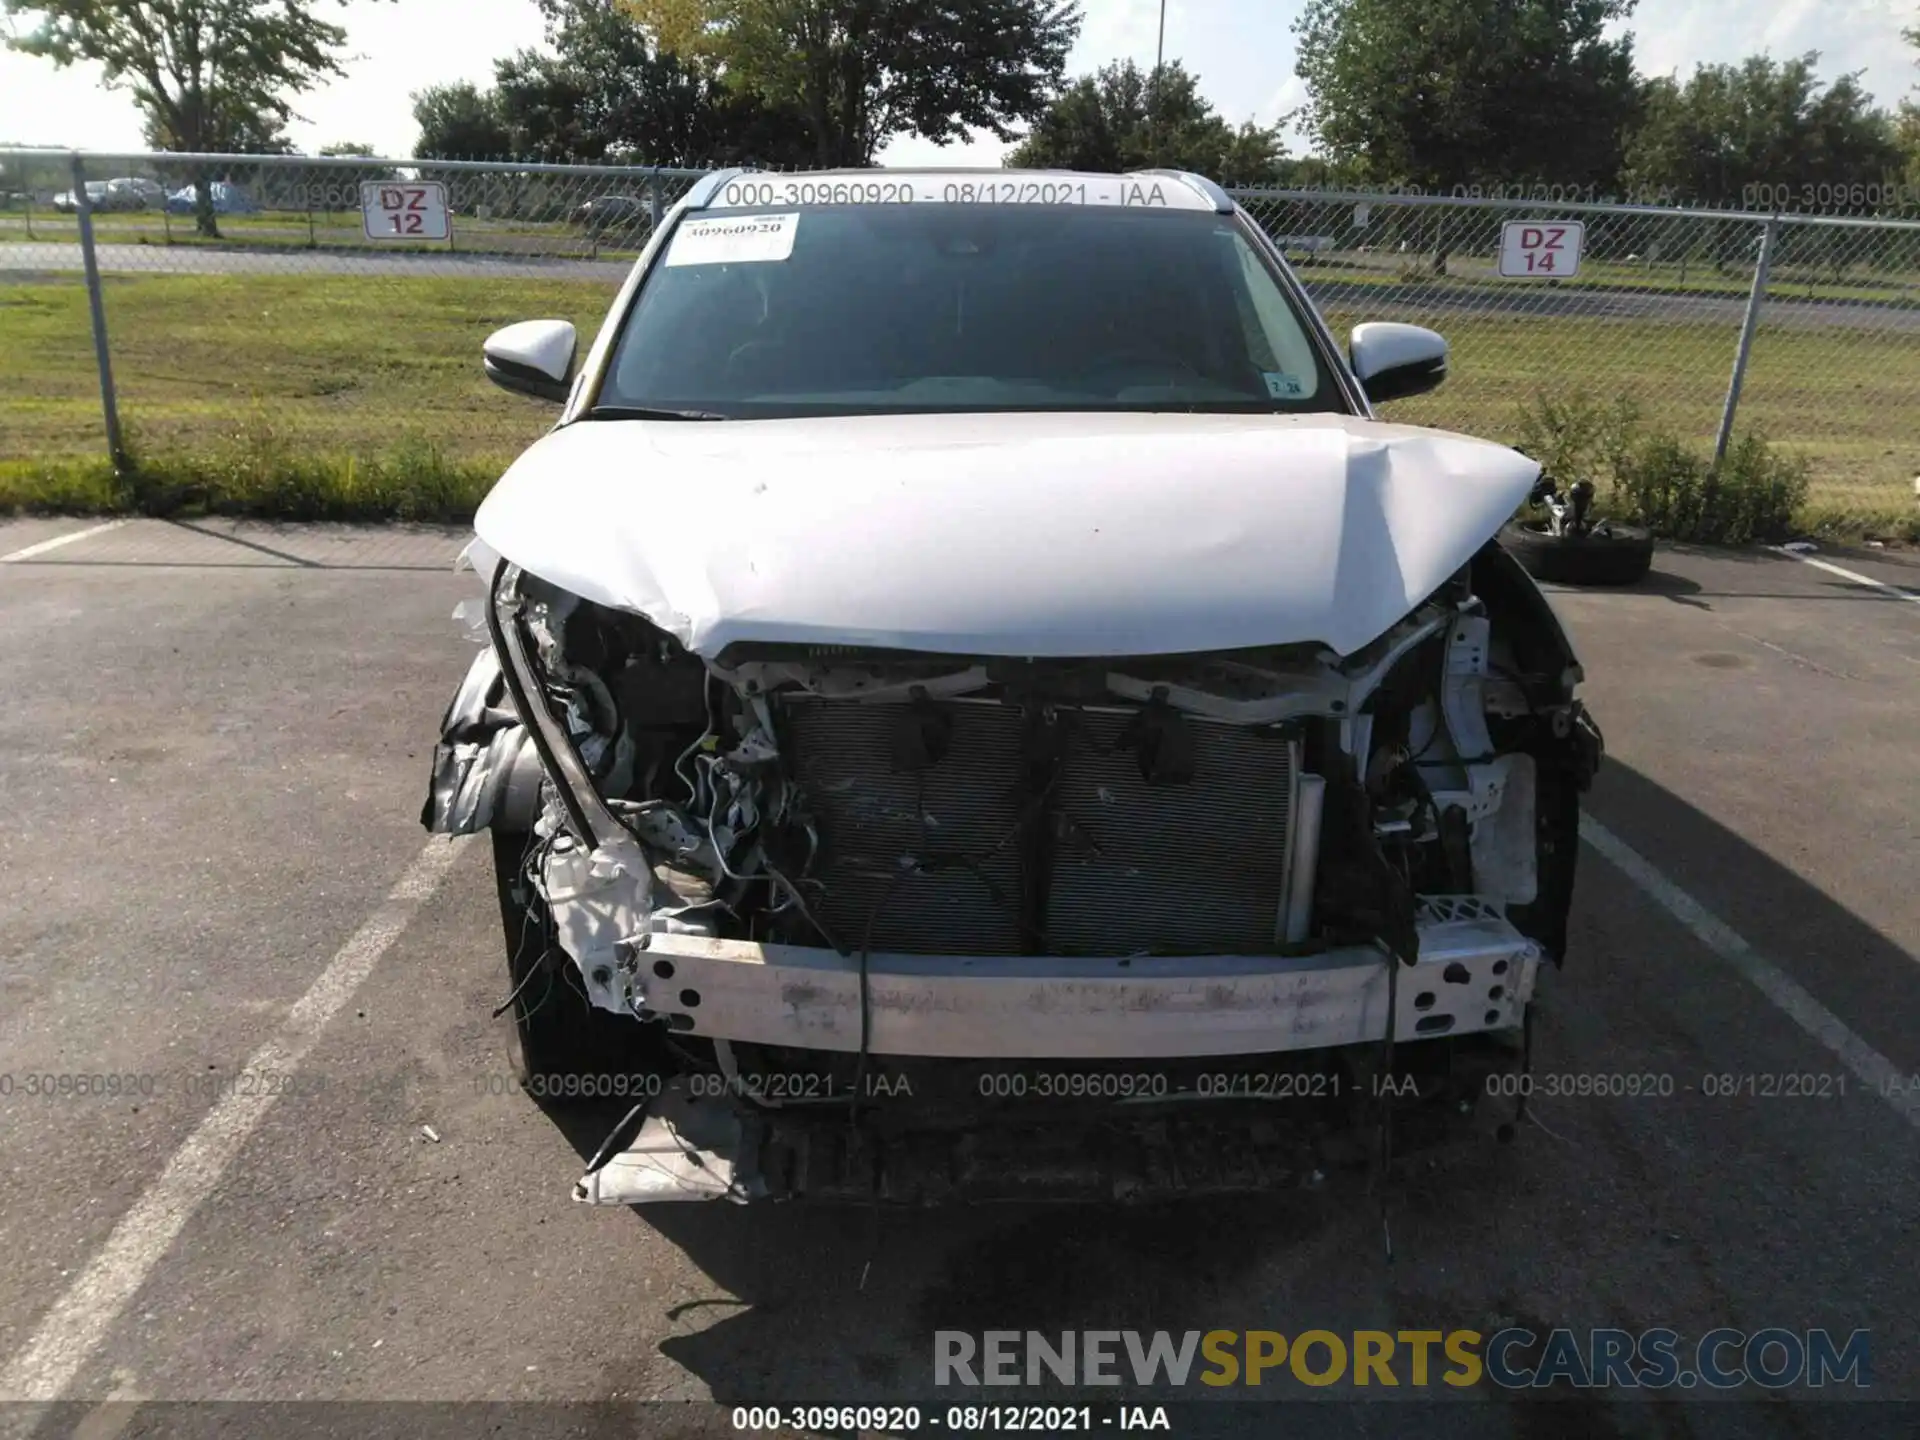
x: 1153, y: 85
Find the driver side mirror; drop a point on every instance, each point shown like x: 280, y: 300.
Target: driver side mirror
x: 1392, y: 361
x: 533, y: 358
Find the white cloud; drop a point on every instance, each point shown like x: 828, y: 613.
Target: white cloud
x: 404, y: 47
x: 983, y: 150
x: 1126, y: 30
x: 1674, y: 36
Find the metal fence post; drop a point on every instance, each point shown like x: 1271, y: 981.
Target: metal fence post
x: 83, y: 210
x: 653, y: 203
x: 1755, y: 300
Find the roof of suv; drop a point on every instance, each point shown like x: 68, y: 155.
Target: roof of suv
x: 1154, y: 189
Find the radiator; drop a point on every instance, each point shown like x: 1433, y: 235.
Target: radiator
x: 1191, y: 868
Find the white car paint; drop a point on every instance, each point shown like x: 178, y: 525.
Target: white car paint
x: 1032, y: 534
x: 1384, y: 344
x: 543, y: 345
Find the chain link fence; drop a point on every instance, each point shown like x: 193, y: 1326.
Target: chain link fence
x: 248, y: 310
x: 1654, y: 315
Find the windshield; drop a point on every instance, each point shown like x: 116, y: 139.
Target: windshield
x: 849, y: 309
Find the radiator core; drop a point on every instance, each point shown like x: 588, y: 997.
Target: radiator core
x: 1129, y: 868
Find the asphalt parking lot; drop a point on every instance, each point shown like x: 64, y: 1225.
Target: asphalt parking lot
x: 213, y: 745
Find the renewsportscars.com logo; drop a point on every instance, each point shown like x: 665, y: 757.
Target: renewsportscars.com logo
x: 1513, y: 1358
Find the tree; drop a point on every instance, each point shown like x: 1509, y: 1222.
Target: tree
x: 1438, y: 93
x: 863, y: 71
x: 1907, y: 131
x: 1124, y: 119
x: 339, y: 189
x: 1763, y: 132
x: 237, y: 134
x: 207, y: 75
x: 605, y: 93
x: 460, y: 122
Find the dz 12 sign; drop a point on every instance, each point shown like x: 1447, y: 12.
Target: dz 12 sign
x: 1540, y: 249
x: 404, y: 210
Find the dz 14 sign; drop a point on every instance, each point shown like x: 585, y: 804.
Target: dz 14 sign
x: 1540, y: 249
x: 404, y: 210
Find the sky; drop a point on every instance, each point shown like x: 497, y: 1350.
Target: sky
x: 1242, y: 50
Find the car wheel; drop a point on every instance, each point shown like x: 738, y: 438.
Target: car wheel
x: 1619, y: 555
x: 563, y: 1051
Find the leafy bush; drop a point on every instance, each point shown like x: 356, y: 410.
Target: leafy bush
x: 1574, y: 436
x: 1760, y: 491
x: 1662, y: 483
x: 1677, y: 492
x: 1653, y: 478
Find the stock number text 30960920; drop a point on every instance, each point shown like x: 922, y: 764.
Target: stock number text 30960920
x: 773, y: 191
x: 953, y: 1420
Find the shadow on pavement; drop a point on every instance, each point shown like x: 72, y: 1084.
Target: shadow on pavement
x: 1867, y: 978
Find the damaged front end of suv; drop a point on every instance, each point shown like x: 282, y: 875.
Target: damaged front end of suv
x: 978, y: 706
x: 1068, y: 925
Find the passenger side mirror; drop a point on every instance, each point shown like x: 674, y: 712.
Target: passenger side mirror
x: 1392, y: 360
x: 533, y: 358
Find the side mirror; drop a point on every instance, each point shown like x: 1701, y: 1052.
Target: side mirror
x: 533, y: 358
x: 1392, y: 361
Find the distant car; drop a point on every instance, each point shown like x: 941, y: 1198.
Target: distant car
x: 135, y: 192
x: 101, y: 197
x: 605, y: 212
x: 228, y: 199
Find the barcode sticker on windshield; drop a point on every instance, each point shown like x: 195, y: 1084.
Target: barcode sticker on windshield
x: 733, y: 239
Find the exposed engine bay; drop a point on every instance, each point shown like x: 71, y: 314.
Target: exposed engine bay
x: 859, y: 864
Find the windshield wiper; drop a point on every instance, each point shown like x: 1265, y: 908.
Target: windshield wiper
x: 648, y: 412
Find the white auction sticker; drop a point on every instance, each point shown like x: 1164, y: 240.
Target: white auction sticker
x: 404, y: 210
x: 733, y: 239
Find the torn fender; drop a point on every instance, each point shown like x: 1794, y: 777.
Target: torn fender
x: 485, y: 769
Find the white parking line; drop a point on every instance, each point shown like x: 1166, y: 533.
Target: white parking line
x: 1854, y: 575
x: 79, y: 1320
x: 1877, y: 1072
x: 54, y: 544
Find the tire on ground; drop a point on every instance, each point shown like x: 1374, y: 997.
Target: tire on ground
x: 563, y: 1050
x: 1619, y: 556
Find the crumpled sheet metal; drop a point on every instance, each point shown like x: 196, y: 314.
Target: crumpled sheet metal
x: 485, y: 765
x: 1154, y: 534
x: 686, y: 1149
x: 599, y: 898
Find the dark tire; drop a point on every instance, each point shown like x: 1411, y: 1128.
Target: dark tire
x: 1619, y: 556
x: 564, y: 1051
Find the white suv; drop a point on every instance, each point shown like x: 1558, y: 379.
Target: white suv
x: 968, y: 663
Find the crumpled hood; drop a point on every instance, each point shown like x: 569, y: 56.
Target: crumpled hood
x: 1021, y: 534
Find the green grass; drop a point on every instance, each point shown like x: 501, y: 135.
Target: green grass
x: 1844, y: 398
x: 257, y: 474
x: 364, y: 395
x: 336, y: 364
